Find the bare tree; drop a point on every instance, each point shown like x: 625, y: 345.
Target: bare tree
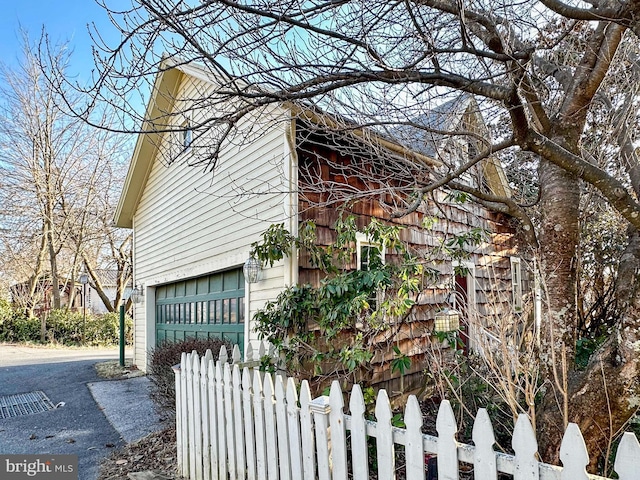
x: 59, y: 180
x: 542, y: 68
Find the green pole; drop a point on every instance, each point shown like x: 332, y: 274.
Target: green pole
x: 122, y: 339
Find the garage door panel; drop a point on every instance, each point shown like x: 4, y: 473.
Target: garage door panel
x: 204, y: 307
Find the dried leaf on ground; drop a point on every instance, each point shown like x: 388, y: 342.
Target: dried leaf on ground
x: 155, y: 452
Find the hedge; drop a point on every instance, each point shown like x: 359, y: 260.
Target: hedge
x: 62, y: 327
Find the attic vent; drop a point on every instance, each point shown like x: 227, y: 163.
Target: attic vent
x: 24, y: 404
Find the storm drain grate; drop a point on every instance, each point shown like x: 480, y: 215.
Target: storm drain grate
x: 24, y: 404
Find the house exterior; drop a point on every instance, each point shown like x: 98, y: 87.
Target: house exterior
x: 109, y: 284
x: 84, y: 298
x: 193, y: 230
x: 43, y: 295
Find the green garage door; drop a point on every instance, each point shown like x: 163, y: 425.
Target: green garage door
x: 208, y: 306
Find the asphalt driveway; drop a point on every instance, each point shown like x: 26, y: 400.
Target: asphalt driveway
x: 78, y: 425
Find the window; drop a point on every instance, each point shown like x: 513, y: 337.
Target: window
x: 186, y: 135
x: 369, y: 255
x: 516, y: 284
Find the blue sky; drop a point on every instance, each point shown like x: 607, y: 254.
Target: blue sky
x: 64, y: 20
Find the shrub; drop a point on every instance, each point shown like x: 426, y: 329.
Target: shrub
x: 67, y: 328
x: 168, y: 354
x: 72, y: 328
x: 19, y: 328
x: 6, y: 312
x: 15, y: 327
x: 105, y: 329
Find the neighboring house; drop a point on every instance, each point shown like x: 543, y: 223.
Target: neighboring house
x: 85, y: 297
x: 43, y: 295
x: 193, y: 231
x: 109, y: 283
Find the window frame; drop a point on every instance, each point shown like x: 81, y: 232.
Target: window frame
x: 186, y: 136
x: 363, y: 240
x: 517, y: 302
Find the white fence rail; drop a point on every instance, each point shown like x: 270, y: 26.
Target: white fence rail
x: 239, y: 424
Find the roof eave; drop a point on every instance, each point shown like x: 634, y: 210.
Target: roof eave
x: 146, y: 147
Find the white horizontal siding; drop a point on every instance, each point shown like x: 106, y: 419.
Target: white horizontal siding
x: 268, y: 288
x: 190, y: 223
x: 182, y: 221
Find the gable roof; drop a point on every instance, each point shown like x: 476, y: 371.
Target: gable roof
x: 426, y: 132
x: 157, y: 120
x: 158, y: 114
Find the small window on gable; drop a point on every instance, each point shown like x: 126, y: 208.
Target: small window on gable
x: 186, y: 135
x: 370, y: 255
x: 472, y: 149
x: 516, y: 284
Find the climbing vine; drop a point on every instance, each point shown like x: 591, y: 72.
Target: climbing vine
x: 331, y: 328
x: 336, y: 327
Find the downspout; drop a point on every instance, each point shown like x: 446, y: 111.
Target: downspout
x: 291, y: 203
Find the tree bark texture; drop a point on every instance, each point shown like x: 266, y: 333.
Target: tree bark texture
x: 603, y: 397
x: 560, y: 199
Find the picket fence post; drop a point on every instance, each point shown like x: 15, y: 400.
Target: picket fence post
x: 236, y: 356
x: 626, y: 464
x: 258, y: 412
x: 447, y: 427
x: 204, y: 414
x: 270, y: 437
x: 413, y: 448
x: 359, y: 435
x: 525, y: 446
x: 214, y: 451
x: 338, y: 432
x: 573, y: 454
x: 484, y: 465
x: 184, y: 415
x: 306, y: 433
x: 223, y: 356
x: 293, y: 426
x: 249, y: 435
x: 384, y: 441
x: 249, y: 353
x: 229, y: 415
x: 222, y: 421
x: 239, y: 421
x: 284, y: 458
x: 191, y: 421
x: 320, y: 408
x: 179, y: 408
x: 197, y: 411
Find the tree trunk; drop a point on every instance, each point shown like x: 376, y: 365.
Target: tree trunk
x: 559, y: 240
x: 53, y: 262
x: 35, y: 279
x: 560, y: 198
x: 604, y: 396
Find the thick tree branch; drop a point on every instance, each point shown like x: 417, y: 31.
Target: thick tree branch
x: 611, y: 188
x: 593, y: 14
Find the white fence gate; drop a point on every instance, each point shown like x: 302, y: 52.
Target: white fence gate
x: 242, y: 424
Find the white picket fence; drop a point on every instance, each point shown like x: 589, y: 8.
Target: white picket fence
x: 239, y: 424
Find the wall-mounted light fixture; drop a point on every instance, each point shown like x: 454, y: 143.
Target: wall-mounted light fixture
x: 447, y: 320
x: 251, y: 270
x: 137, y: 294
